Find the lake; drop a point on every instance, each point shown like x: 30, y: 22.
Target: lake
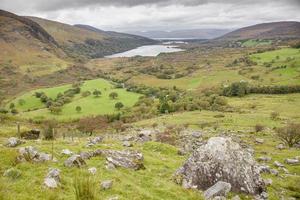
x: 147, y: 50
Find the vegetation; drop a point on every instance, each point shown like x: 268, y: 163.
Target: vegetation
x: 290, y: 134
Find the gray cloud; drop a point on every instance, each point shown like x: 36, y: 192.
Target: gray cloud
x: 158, y: 14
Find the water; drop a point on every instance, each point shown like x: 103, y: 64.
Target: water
x: 148, y: 50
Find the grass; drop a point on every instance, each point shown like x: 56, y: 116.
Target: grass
x: 91, y: 105
x: 255, y: 43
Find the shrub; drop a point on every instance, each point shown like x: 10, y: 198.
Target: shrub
x: 289, y: 134
x: 97, y: 93
x: 14, y: 111
x: 21, y: 102
x: 11, y: 105
x: 12, y: 173
x: 258, y: 128
x: 78, y: 109
x: 119, y: 105
x: 84, y: 187
x: 236, y: 89
x: 113, y: 95
x: 86, y: 94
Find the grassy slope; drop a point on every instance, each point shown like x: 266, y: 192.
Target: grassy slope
x: 90, y: 105
x: 127, y: 184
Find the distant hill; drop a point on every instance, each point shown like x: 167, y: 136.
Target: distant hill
x: 288, y: 29
x: 82, y: 41
x: 186, y: 34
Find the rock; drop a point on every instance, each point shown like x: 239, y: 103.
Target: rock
x: 86, y: 155
x: 285, y: 170
x: 66, y: 152
x: 280, y: 147
x: 128, y: 138
x: 55, y: 174
x: 31, y: 154
x: 110, y: 166
x: 196, y: 134
x: 33, y: 134
x: 264, y: 169
x: 264, y: 159
x: 219, y: 198
x: 106, y: 184
x: 221, y: 159
x: 181, y: 152
x: 13, y: 142
x: 93, y: 170
x: 259, y: 140
x: 274, y: 172
x: 12, y: 173
x: 50, y: 183
x: 93, y: 141
x: 113, y: 198
x: 75, y: 161
x: 291, y: 161
x: 127, y: 144
x: 236, y: 197
x: 219, y: 189
x: 278, y: 164
x: 128, y: 158
x: 268, y: 182
x: 262, y: 196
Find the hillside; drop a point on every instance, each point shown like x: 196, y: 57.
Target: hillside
x: 84, y: 42
x: 288, y: 29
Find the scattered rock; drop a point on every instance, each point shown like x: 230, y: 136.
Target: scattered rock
x: 264, y: 159
x: 264, y: 169
x: 285, y: 170
x: 219, y: 189
x: 221, y: 159
x: 106, y: 184
x: 259, y: 140
x: 291, y: 161
x: 93, y: 170
x: 128, y: 158
x: 75, y: 161
x: 31, y: 154
x: 278, y: 164
x: 33, y: 134
x: 128, y: 138
x: 13, y: 142
x: 113, y: 198
x: 280, y: 147
x: 219, y: 198
x: 110, y: 166
x: 12, y: 173
x: 236, y: 197
x: 127, y: 144
x: 196, y: 134
x: 53, y: 178
x: 86, y: 155
x: 181, y: 152
x: 262, y: 196
x: 274, y: 172
x: 268, y: 182
x: 66, y: 152
x: 93, y: 141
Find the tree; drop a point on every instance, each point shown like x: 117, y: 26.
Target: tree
x: 289, y: 134
x: 78, y: 109
x: 97, y: 93
x: 90, y: 124
x: 119, y: 105
x: 113, y: 95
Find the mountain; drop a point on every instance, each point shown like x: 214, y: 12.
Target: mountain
x: 285, y: 29
x: 80, y: 41
x: 186, y: 34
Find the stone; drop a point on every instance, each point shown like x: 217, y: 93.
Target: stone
x: 33, y: 134
x: 259, y: 140
x: 280, y: 147
x: 262, y: 196
x: 278, y: 164
x: 113, y: 198
x: 12, y: 173
x: 50, y: 183
x: 274, y: 172
x: 264, y: 169
x: 107, y: 184
x: 264, y: 159
x: 31, y: 154
x: 285, y: 170
x: 128, y: 138
x: 127, y: 158
x: 75, y: 161
x: 94, y: 141
x: 196, y: 134
x: 291, y: 161
x: 44, y: 157
x: 13, y: 142
x: 268, y: 182
x: 236, y: 197
x: 86, y: 155
x: 110, y: 166
x: 92, y: 170
x: 219, y: 198
x: 127, y: 144
x: 66, y: 152
x: 54, y: 173
x: 221, y: 159
x: 219, y: 189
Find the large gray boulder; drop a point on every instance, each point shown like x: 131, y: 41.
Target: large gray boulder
x: 219, y: 189
x: 128, y: 158
x: 13, y: 142
x: 52, y: 179
x: 31, y: 154
x: 221, y: 159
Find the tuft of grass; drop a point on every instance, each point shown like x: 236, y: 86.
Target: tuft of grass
x: 84, y: 187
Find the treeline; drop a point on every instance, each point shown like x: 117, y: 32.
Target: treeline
x: 243, y: 88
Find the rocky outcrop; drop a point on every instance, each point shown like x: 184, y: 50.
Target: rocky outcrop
x: 31, y: 154
x: 221, y: 159
x: 13, y: 142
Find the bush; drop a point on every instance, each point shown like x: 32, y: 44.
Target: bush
x: 236, y: 89
x: 258, y: 128
x: 3, y: 111
x: 84, y: 187
x: 113, y: 95
x: 119, y: 105
x: 290, y: 134
x: 78, y: 109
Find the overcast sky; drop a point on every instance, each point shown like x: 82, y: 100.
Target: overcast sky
x: 129, y: 15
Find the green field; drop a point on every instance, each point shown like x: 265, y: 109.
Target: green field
x: 255, y: 43
x: 91, y: 105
